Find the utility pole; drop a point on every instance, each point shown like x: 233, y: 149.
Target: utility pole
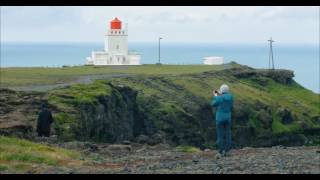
x: 271, y: 62
x: 159, y: 49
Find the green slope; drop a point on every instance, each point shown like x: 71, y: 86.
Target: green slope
x: 171, y: 103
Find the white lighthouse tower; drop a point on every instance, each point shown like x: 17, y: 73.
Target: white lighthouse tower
x: 115, y: 48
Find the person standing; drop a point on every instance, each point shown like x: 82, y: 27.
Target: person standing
x: 45, y: 120
x: 223, y: 102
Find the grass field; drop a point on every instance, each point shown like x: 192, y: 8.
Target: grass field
x: 40, y: 76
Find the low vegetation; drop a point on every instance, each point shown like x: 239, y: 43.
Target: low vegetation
x: 20, y: 155
x: 37, y: 75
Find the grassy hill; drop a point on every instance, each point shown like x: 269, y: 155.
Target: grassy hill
x: 169, y: 103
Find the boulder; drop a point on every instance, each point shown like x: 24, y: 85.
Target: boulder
x: 156, y: 139
x: 142, y: 139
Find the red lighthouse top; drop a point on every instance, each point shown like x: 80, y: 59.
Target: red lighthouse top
x: 115, y: 24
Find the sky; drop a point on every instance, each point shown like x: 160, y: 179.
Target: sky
x: 174, y: 23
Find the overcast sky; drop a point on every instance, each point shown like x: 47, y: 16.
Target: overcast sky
x: 174, y: 24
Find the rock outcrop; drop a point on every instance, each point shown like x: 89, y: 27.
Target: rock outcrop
x: 170, y: 109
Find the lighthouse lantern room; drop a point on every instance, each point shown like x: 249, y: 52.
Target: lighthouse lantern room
x: 115, y: 48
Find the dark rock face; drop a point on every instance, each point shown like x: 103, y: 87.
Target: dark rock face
x: 243, y: 136
x: 280, y: 75
x: 286, y: 116
x: 265, y: 118
x: 142, y: 139
x: 241, y: 113
x: 113, y: 119
x: 126, y: 114
x: 18, y: 111
x: 22, y: 130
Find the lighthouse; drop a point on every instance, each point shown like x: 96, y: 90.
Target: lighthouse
x: 115, y: 48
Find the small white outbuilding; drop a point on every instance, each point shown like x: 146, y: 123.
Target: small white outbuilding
x: 213, y: 60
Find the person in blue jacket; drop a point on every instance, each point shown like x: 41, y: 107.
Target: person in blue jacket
x: 223, y: 101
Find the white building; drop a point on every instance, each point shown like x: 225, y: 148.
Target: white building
x: 115, y: 48
x: 213, y: 60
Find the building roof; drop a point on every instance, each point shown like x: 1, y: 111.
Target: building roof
x: 115, y: 23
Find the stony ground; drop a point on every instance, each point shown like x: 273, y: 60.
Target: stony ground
x: 162, y: 159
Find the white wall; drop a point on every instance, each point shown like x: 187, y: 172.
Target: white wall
x: 213, y: 60
x: 117, y: 43
x: 134, y: 59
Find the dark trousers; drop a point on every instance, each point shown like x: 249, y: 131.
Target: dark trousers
x: 224, y: 135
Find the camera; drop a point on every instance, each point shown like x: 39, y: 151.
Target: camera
x: 216, y: 93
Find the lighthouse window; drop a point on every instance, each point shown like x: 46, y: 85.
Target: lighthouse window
x: 117, y: 46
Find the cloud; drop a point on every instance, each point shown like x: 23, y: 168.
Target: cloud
x: 183, y: 24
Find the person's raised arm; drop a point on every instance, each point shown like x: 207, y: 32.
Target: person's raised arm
x: 216, y: 100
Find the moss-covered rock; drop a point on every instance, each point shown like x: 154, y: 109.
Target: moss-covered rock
x: 176, y: 108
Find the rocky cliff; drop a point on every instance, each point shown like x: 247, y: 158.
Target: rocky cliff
x: 270, y: 109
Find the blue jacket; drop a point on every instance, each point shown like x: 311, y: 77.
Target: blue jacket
x: 224, y: 104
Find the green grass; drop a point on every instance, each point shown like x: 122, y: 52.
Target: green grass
x: 79, y: 93
x: 18, y: 154
x: 41, y: 75
x: 64, y: 124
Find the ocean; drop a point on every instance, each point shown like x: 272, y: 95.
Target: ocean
x: 303, y: 59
